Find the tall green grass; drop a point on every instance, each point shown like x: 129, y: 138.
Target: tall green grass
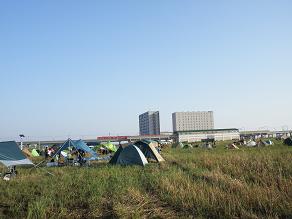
x: 219, y: 183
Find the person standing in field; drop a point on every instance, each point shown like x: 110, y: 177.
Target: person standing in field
x: 46, y: 153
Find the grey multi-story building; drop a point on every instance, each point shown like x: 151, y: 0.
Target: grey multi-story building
x: 190, y: 121
x: 149, y: 123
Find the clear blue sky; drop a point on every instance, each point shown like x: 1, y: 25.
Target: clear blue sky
x: 90, y: 67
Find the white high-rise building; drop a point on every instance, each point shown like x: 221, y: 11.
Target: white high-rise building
x: 149, y: 123
x: 190, y: 121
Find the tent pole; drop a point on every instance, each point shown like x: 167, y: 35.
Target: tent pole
x: 37, y: 165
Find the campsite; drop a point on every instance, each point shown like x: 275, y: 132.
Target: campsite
x: 158, y: 109
x: 251, y: 182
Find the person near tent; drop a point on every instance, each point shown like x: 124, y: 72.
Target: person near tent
x: 70, y: 149
x: 104, y: 151
x: 80, y: 156
x: 70, y: 155
x: 50, y: 152
x: 57, y: 158
x: 159, y: 149
x: 46, y: 153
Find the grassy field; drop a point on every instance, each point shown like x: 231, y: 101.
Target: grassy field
x: 192, y: 183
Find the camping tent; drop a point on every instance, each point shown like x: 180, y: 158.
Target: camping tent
x: 149, y: 150
x: 152, y: 143
x: 269, y: 142
x: 188, y: 145
x: 251, y: 144
x: 262, y: 143
x: 110, y: 146
x: 77, y: 144
x: 288, y: 141
x: 34, y: 153
x: 11, y: 155
x: 207, y: 145
x: 116, y: 156
x: 178, y: 145
x: 130, y: 155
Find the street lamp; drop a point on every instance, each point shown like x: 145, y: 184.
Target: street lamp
x: 21, y: 141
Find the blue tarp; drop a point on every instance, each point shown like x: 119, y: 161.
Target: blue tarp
x: 77, y: 144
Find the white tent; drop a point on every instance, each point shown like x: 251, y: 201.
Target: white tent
x: 251, y: 144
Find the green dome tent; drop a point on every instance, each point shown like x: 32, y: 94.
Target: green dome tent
x: 110, y: 146
x: 34, y: 153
